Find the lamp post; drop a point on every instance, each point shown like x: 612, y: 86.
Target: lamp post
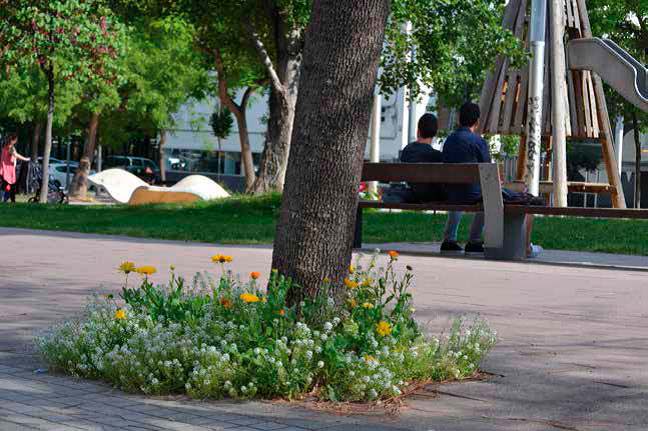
x: 536, y: 87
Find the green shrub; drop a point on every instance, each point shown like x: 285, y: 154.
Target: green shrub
x: 219, y: 336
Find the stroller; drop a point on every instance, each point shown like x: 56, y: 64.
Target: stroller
x: 33, y: 180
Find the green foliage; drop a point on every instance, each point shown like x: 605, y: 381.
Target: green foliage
x: 221, y: 122
x: 226, y: 337
x: 582, y: 157
x: 454, y: 42
x: 77, y: 40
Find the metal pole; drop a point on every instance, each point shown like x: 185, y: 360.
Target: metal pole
x: 99, y: 158
x: 535, y: 101
x: 618, y: 142
x: 67, y: 166
x: 374, y: 148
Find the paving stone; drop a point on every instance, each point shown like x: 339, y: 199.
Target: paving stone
x: 12, y: 426
x: 268, y: 426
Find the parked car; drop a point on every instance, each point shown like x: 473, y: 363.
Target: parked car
x: 144, y: 168
x: 58, y: 173
x: 55, y: 161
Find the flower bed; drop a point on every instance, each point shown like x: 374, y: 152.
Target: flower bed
x: 219, y: 337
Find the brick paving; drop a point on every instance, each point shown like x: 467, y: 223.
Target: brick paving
x: 572, y: 354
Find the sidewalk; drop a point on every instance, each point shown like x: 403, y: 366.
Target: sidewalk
x: 572, y: 352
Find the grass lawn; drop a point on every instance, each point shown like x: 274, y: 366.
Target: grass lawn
x: 247, y: 220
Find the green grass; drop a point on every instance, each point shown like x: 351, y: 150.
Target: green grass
x: 251, y: 220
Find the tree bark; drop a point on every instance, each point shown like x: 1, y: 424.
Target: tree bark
x: 316, y: 222
x: 637, y: 139
x: 79, y: 186
x: 284, y: 79
x: 239, y: 111
x: 38, y: 128
x: 49, y: 73
x: 161, y: 161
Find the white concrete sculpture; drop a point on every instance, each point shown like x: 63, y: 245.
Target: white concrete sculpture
x: 125, y: 187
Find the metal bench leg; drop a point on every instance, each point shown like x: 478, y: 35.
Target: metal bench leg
x: 514, y: 246
x: 357, y: 236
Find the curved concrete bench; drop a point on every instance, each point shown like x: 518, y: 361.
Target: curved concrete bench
x: 124, y: 187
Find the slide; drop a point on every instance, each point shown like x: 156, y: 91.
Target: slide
x: 614, y: 65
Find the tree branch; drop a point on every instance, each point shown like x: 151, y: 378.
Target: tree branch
x: 276, y: 83
x: 223, y: 94
x: 246, y: 96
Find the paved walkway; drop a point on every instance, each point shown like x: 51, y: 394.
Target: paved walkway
x: 572, y: 356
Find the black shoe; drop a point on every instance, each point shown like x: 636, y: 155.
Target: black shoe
x: 474, y: 248
x: 451, y: 248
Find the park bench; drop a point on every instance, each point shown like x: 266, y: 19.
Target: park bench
x: 505, y: 224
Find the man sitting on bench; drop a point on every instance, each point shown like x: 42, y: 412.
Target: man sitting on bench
x: 465, y: 146
x: 421, y: 151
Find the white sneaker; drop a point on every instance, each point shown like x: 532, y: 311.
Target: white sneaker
x: 535, y: 251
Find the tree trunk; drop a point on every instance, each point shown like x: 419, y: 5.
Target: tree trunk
x: 49, y: 72
x: 281, y: 104
x: 79, y: 186
x: 161, y: 161
x: 38, y: 128
x: 637, y: 139
x: 316, y: 222
x: 274, y: 158
x: 247, y: 162
x: 239, y: 111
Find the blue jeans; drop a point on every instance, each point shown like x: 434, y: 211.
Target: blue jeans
x: 452, y: 226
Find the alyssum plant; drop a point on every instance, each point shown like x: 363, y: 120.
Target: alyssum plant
x: 222, y: 337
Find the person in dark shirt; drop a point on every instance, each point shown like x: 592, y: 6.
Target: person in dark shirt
x: 464, y: 145
x: 421, y: 151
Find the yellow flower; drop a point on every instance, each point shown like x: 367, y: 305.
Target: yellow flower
x: 326, y: 280
x: 353, y: 303
x: 367, y: 282
x: 146, y: 270
x: 369, y: 358
x: 351, y: 269
x: 368, y: 305
x: 249, y: 297
x: 126, y: 267
x: 393, y: 254
x: 221, y: 258
x: 383, y: 328
x: 350, y: 283
x: 120, y: 314
x: 255, y: 275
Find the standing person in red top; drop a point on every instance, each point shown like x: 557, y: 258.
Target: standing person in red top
x: 8, y: 159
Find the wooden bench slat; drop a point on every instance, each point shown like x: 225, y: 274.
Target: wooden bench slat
x: 440, y: 173
x: 431, y: 206
x: 579, y: 212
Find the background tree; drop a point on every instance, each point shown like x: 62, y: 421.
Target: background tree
x: 625, y: 22
x: 315, y: 228
x: 66, y: 39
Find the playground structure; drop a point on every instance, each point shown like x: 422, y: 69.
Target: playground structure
x: 125, y: 188
x: 519, y: 101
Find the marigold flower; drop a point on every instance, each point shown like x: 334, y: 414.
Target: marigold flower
x: 369, y: 358
x: 249, y: 297
x: 226, y: 303
x: 367, y: 282
x: 368, y: 305
x: 120, y: 314
x: 383, y: 328
x: 282, y: 312
x: 393, y: 254
x: 353, y: 303
x: 350, y: 283
x: 351, y: 269
x: 255, y: 275
x: 221, y: 258
x: 126, y: 267
x: 146, y: 270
